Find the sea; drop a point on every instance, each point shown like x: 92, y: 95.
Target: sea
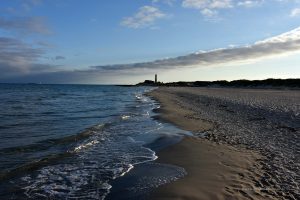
x: 75, y: 141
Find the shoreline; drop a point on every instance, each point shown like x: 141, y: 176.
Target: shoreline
x: 215, y: 170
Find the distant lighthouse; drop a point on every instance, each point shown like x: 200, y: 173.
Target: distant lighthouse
x: 155, y: 78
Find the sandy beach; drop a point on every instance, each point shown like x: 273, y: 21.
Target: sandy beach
x: 233, y: 154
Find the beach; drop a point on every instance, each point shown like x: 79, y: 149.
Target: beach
x: 111, y: 142
x: 244, y: 144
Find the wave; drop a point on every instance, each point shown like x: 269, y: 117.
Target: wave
x: 45, y: 144
x: 125, y: 117
x: 29, y: 167
x: 84, y: 146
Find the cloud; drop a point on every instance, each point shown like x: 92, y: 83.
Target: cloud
x: 59, y: 58
x: 25, y: 25
x: 295, y: 12
x: 146, y: 16
x: 209, y: 13
x: 250, y: 3
x: 210, y: 4
x: 17, y: 57
x: 20, y: 60
x: 27, y: 5
x: 210, y: 8
x: 282, y: 44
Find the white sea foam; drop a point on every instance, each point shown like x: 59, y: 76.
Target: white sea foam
x: 83, y: 146
x: 125, y: 117
x: 128, y: 170
x: 142, y: 97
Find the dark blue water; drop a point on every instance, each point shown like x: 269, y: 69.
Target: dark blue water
x: 71, y: 141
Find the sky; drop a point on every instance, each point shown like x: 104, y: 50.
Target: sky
x: 128, y: 41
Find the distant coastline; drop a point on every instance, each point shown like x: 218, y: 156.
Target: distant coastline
x: 243, y: 83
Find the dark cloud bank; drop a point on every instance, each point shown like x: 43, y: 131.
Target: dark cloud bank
x: 17, y: 61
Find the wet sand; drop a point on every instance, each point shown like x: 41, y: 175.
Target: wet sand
x: 230, y: 156
x: 213, y: 171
